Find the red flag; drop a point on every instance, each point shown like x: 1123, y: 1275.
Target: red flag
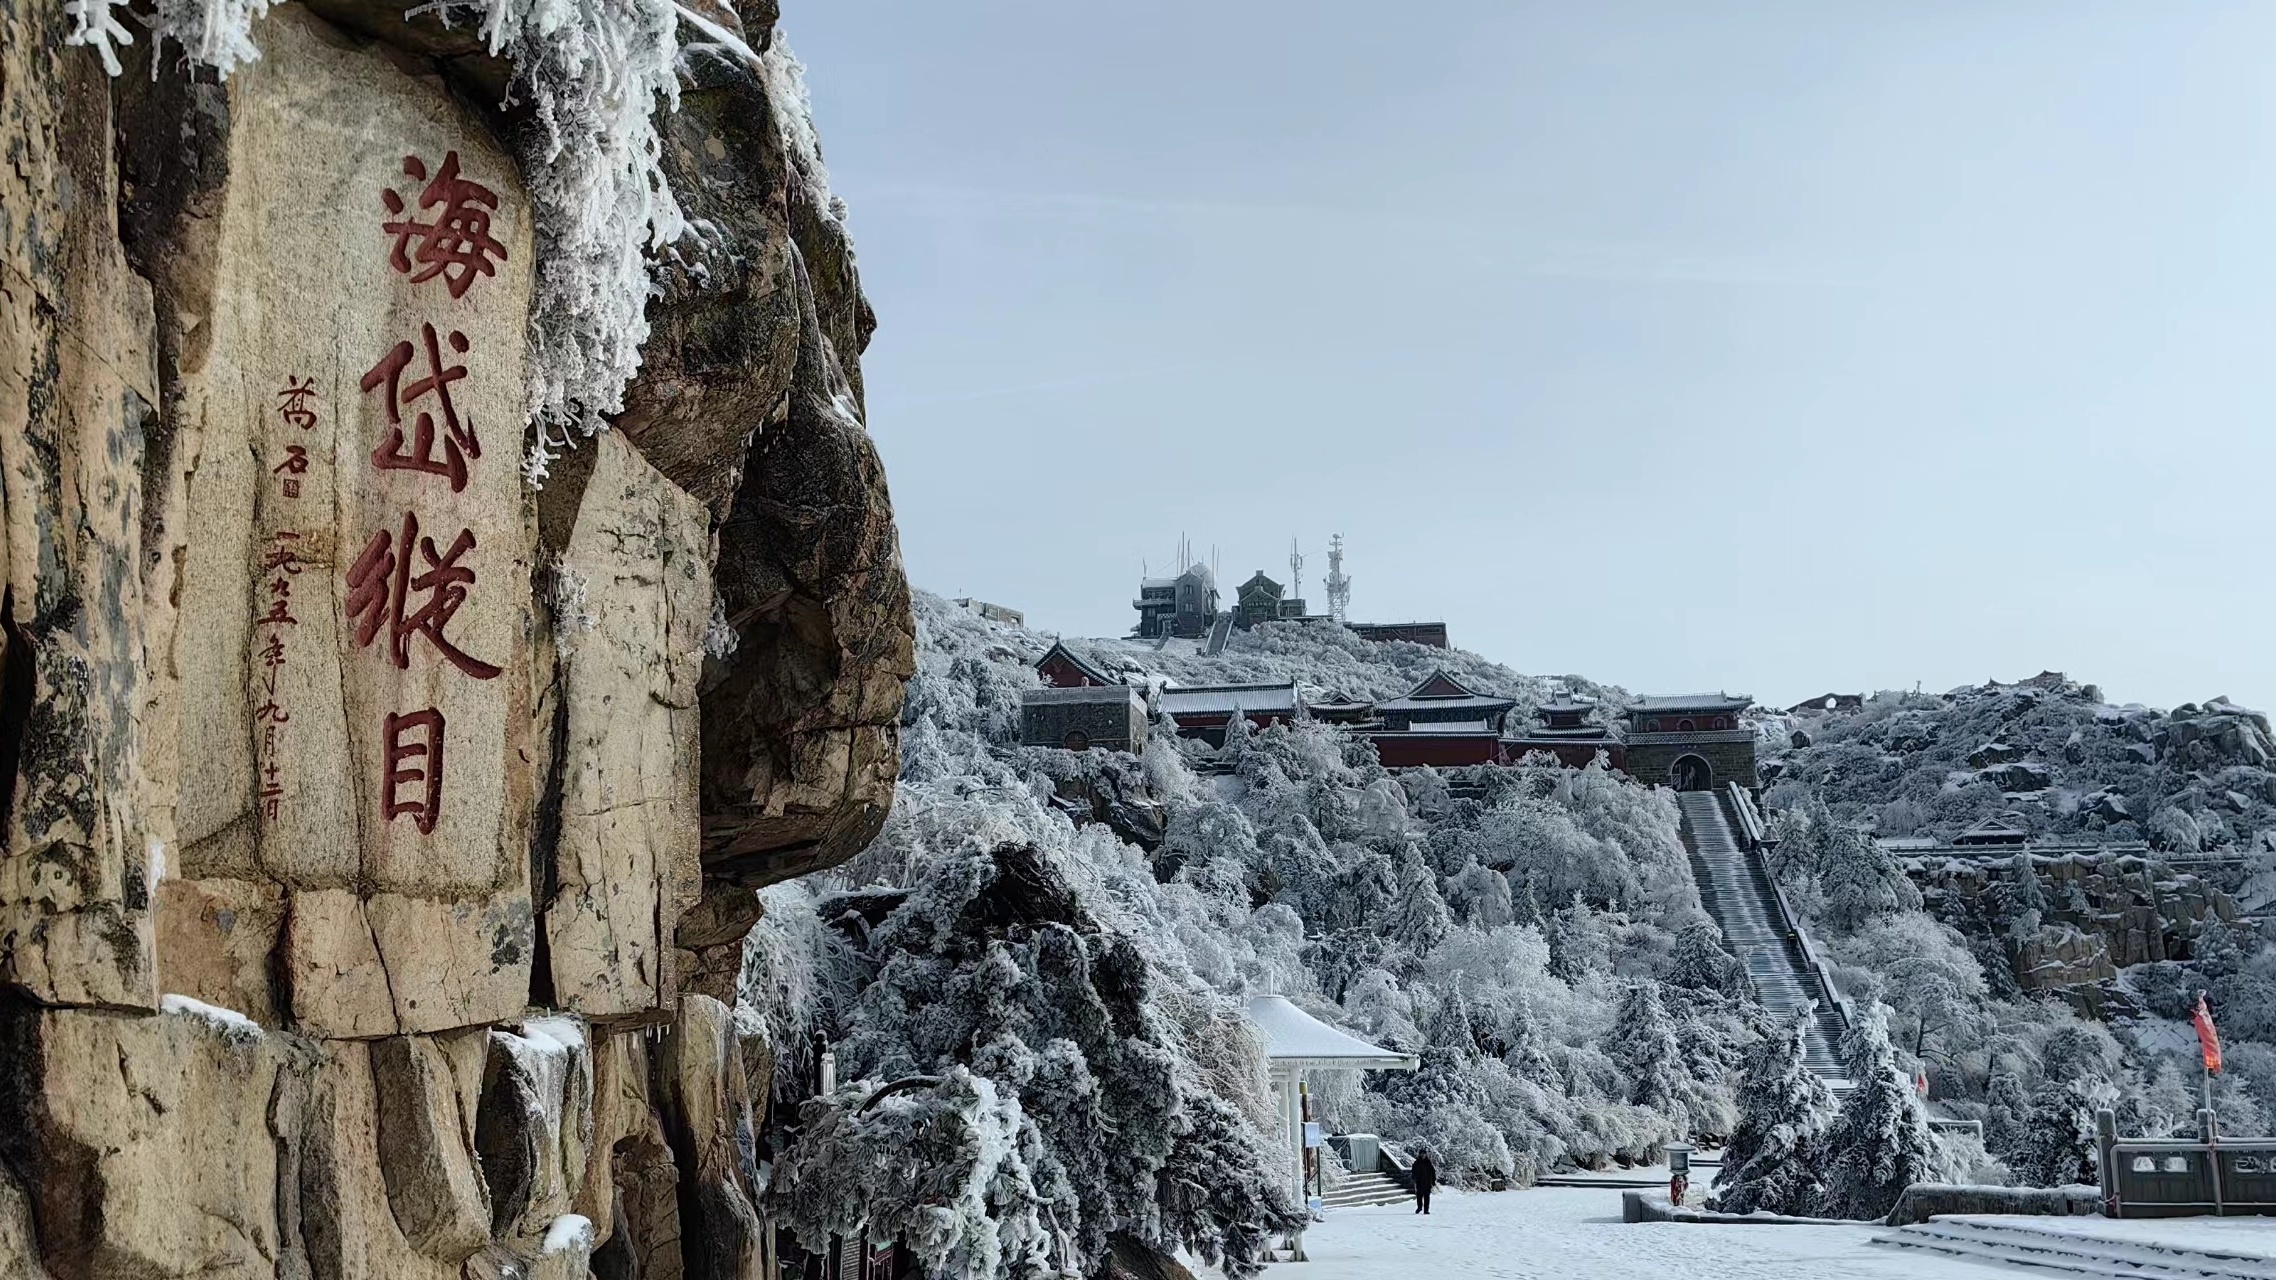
x: 2208, y: 1036
x: 1920, y: 1083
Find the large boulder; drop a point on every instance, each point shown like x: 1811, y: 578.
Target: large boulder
x: 428, y: 794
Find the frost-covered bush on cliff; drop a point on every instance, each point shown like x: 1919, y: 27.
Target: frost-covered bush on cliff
x: 1079, y: 928
x: 1064, y: 1081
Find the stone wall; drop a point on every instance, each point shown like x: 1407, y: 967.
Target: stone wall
x: 1113, y: 717
x: 378, y: 834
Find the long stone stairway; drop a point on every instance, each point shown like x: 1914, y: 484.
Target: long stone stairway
x: 1735, y: 889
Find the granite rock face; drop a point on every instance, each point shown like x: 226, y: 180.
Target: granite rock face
x: 378, y: 833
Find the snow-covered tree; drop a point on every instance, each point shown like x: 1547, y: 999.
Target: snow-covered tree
x: 995, y: 962
x: 1775, y: 1160
x: 1643, y: 1044
x: 1861, y: 882
x: 1880, y: 1143
x: 2007, y: 1115
x: 1479, y: 895
x: 2057, y: 1147
x: 1700, y: 963
x: 1933, y: 986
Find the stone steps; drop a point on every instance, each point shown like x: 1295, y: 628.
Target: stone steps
x: 2016, y: 1243
x: 1365, y: 1190
x: 1734, y: 892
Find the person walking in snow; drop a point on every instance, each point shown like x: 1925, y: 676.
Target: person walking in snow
x: 1424, y: 1175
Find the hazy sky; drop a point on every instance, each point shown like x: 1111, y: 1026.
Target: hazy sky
x: 1776, y: 348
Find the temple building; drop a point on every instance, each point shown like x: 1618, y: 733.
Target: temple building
x: 1692, y: 743
x: 1565, y: 729
x: 1182, y: 606
x: 1205, y: 711
x: 1440, y: 722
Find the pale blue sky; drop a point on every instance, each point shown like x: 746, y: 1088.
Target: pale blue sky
x: 1771, y: 347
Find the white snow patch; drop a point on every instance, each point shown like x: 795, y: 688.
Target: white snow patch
x: 231, y: 1023
x: 569, y: 1232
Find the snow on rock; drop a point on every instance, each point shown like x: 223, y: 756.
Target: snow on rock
x: 569, y: 1231
x: 539, y: 1091
x: 233, y: 1025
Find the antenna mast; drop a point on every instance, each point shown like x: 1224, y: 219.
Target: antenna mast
x: 1339, y: 582
x: 1295, y: 571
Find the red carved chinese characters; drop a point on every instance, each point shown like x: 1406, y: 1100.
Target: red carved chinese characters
x: 415, y: 762
x: 400, y: 582
x: 458, y: 441
x: 457, y: 245
x: 381, y: 585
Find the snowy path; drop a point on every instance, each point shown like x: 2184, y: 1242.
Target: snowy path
x: 1572, y: 1233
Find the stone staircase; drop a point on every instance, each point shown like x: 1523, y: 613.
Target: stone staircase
x: 1735, y: 888
x: 1364, y: 1190
x: 2017, y: 1242
x: 1219, y: 632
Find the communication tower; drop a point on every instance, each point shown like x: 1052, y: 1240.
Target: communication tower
x: 1339, y: 582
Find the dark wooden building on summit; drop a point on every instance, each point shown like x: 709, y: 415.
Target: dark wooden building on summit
x: 1182, y: 606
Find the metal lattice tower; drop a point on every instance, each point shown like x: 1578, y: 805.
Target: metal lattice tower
x: 1295, y: 571
x: 1339, y: 582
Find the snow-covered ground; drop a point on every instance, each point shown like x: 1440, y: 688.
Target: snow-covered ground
x: 1559, y: 1233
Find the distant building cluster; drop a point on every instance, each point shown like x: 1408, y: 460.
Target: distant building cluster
x: 1187, y: 607
x: 1693, y: 743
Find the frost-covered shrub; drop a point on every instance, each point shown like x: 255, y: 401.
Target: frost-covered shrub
x: 945, y: 1168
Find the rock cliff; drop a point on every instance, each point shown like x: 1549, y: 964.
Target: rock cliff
x: 378, y: 829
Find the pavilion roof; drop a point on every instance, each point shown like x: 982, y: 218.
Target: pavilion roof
x: 1443, y: 692
x: 1294, y: 1038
